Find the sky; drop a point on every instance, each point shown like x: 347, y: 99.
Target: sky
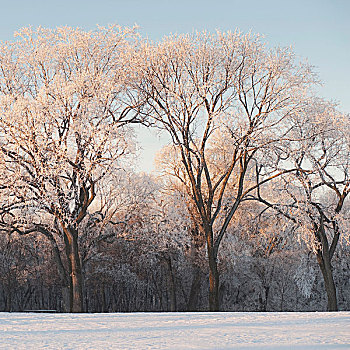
x: 318, y: 30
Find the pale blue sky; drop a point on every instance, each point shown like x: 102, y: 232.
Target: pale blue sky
x: 317, y: 29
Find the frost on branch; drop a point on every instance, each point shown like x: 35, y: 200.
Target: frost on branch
x: 65, y: 104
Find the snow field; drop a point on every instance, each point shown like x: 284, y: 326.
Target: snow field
x: 175, y: 331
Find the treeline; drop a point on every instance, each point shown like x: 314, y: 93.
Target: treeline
x: 248, y: 210
x: 148, y: 268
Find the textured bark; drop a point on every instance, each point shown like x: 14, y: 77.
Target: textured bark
x: 324, y: 256
x: 75, y: 271
x: 213, y: 279
x: 327, y: 274
x: 197, y: 244
x: 66, y: 298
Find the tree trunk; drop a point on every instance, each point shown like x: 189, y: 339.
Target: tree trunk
x: 327, y: 274
x: 75, y: 271
x: 192, y: 304
x: 66, y: 299
x: 263, y: 298
x: 213, y: 276
x: 197, y: 243
x: 65, y: 304
x: 171, y: 284
x: 324, y: 257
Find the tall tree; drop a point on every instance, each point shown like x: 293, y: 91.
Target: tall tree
x: 65, y: 103
x: 315, y: 197
x: 225, y: 99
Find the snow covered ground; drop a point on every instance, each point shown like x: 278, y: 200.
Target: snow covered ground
x: 175, y: 331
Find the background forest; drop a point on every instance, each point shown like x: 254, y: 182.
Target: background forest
x: 248, y: 210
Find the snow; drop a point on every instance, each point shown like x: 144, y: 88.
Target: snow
x: 175, y: 331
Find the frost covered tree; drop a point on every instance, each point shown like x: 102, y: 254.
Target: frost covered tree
x: 149, y: 226
x: 65, y: 104
x: 225, y: 99
x: 315, y: 197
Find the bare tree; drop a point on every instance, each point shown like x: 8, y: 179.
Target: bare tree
x: 225, y: 100
x: 315, y: 196
x: 65, y: 103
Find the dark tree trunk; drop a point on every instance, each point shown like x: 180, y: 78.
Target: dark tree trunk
x: 75, y: 272
x: 263, y: 298
x: 197, y: 244
x: 171, y: 284
x: 213, y: 273
x: 65, y: 304
x: 327, y: 274
x: 66, y: 298
x: 192, y: 304
x: 324, y: 257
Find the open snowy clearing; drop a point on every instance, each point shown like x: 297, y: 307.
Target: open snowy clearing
x: 175, y: 331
